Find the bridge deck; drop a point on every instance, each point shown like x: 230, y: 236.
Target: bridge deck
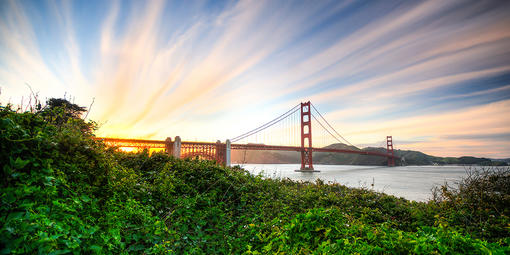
x: 295, y: 148
x: 158, y: 144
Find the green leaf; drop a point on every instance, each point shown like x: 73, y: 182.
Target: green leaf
x: 48, y: 180
x: 95, y: 248
x: 16, y: 215
x: 85, y: 198
x: 59, y: 252
x: 20, y: 163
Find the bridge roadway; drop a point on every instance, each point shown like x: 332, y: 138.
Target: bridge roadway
x: 159, y: 144
x: 295, y: 148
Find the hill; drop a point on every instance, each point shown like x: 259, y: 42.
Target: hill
x: 408, y: 157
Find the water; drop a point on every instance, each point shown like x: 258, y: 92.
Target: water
x: 410, y: 182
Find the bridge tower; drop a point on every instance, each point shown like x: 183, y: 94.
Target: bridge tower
x: 389, y: 150
x: 306, y: 137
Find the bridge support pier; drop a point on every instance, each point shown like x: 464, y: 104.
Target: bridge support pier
x: 220, y: 153
x: 169, y: 146
x: 177, y: 147
x: 227, y: 152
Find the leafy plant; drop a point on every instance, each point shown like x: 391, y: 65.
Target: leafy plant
x: 64, y: 192
x: 478, y: 203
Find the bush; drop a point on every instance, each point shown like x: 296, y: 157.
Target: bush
x: 330, y: 231
x: 63, y: 192
x: 479, y: 204
x: 56, y: 195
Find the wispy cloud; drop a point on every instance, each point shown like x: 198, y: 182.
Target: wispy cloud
x: 211, y: 70
x: 442, y: 128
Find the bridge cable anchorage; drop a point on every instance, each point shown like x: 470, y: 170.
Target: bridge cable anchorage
x: 266, y: 125
x: 331, y: 126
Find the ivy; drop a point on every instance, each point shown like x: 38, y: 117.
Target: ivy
x: 63, y: 192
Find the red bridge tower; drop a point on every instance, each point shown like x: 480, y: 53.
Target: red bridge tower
x: 306, y: 137
x: 389, y: 150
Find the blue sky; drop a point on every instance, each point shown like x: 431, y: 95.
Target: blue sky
x: 434, y: 74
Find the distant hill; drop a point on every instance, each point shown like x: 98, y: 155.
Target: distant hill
x: 506, y: 160
x: 408, y: 157
x: 265, y: 157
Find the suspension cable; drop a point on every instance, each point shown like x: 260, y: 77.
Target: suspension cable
x: 261, y: 128
x: 331, y: 126
x: 326, y: 129
x: 266, y: 125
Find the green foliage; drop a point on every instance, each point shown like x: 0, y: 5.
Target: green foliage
x: 63, y: 192
x: 330, y: 231
x: 60, y: 111
x: 70, y: 110
x: 480, y: 202
x: 55, y: 192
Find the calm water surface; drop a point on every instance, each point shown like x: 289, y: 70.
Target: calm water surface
x: 411, y: 182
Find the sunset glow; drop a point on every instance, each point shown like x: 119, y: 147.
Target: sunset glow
x: 434, y: 74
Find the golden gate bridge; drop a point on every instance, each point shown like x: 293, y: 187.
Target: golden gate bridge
x: 293, y: 129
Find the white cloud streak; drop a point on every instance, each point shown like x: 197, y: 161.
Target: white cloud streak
x: 212, y: 74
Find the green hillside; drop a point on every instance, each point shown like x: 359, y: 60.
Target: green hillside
x: 408, y: 157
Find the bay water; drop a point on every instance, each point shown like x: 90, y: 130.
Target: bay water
x: 410, y: 182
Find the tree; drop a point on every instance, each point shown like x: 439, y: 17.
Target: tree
x: 70, y: 110
x: 60, y: 111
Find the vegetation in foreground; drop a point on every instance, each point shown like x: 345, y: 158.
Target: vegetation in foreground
x: 63, y: 192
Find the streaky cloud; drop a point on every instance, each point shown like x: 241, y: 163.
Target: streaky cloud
x: 194, y: 68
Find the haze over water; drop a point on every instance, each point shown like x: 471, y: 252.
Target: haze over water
x: 410, y: 182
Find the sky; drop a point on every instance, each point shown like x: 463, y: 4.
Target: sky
x: 433, y: 74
